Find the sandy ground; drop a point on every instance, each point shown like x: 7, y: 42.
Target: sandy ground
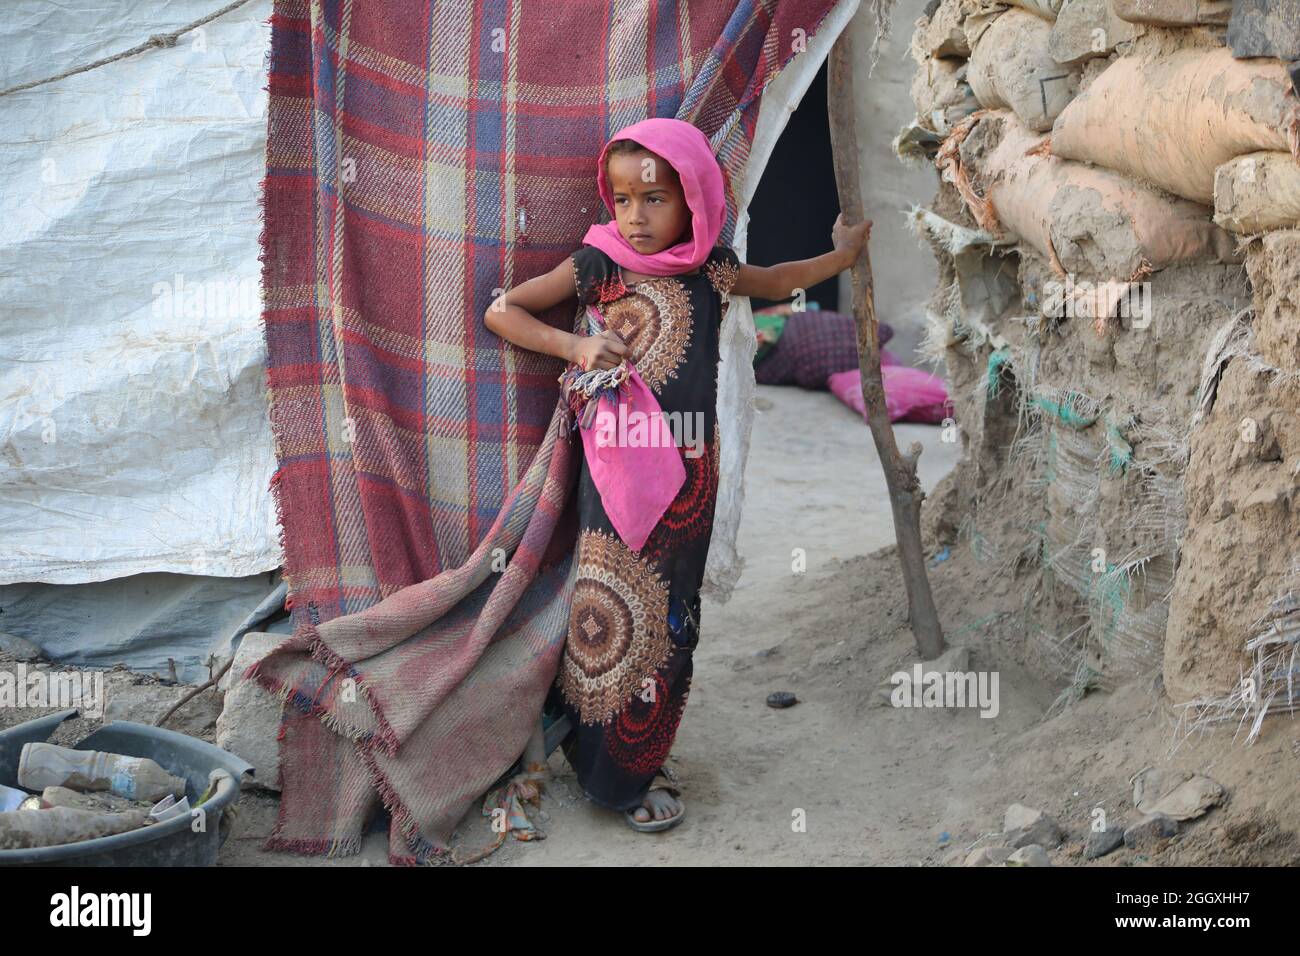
x: 870, y: 783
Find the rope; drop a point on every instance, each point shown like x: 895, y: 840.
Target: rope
x: 157, y: 40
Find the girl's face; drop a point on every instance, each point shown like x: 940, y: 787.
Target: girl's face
x: 649, y: 204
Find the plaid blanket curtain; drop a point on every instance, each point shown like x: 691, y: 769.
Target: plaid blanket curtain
x: 420, y: 158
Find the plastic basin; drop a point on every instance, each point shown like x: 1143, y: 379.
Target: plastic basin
x: 181, y: 841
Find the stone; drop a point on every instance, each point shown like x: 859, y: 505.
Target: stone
x: 1019, y: 816
x: 1088, y: 28
x: 1030, y: 855
x: 250, y: 722
x: 1022, y: 826
x: 1150, y: 832
x: 1179, y: 796
x: 942, y: 34
x: 988, y: 856
x: 1102, y: 842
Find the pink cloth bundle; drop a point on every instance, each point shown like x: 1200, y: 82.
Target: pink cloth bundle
x: 631, y: 451
x: 633, y: 459
x: 911, y: 394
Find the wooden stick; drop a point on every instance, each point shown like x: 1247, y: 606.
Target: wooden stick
x: 905, y: 493
x: 194, y: 693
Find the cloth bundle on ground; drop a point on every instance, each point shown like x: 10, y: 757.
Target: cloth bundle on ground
x: 1010, y: 67
x: 1172, y: 119
x: 1257, y: 192
x: 812, y: 346
x: 1086, y: 220
x: 426, y: 469
x: 770, y: 323
x: 911, y: 394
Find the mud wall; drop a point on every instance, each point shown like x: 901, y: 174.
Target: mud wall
x: 1116, y: 233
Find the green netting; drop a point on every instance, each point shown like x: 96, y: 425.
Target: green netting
x: 1069, y: 408
x: 1121, y: 452
x: 993, y: 375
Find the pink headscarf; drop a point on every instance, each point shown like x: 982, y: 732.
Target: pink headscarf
x: 688, y: 151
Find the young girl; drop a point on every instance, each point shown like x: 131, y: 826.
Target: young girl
x: 661, y: 286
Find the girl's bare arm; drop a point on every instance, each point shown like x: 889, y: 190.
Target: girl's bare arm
x: 785, y: 278
x: 511, y: 316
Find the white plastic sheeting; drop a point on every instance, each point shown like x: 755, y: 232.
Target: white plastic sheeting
x: 133, y: 428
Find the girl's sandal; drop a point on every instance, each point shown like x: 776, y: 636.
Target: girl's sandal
x: 664, y: 780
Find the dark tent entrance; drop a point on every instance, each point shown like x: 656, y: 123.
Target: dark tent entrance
x: 795, y: 205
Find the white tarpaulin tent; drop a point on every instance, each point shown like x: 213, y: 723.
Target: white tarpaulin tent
x: 133, y: 429
x: 136, y: 524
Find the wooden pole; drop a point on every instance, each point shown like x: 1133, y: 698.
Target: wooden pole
x: 905, y: 493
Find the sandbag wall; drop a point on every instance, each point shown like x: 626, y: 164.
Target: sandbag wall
x: 1117, y: 238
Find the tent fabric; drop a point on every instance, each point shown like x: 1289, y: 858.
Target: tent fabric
x: 131, y: 352
x: 409, y: 175
x: 149, y: 622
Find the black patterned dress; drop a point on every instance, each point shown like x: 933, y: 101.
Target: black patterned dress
x: 626, y: 667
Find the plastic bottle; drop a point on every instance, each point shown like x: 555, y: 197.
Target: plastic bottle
x: 136, y: 778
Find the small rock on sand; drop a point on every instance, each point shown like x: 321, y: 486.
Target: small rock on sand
x: 1022, y: 826
x: 988, y: 856
x: 1180, y: 796
x: 1102, y: 842
x: 1149, y: 832
x: 1031, y: 855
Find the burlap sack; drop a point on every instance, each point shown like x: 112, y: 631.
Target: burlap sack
x: 1010, y: 67
x: 1257, y: 192
x: 1087, y: 221
x: 1173, y: 119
